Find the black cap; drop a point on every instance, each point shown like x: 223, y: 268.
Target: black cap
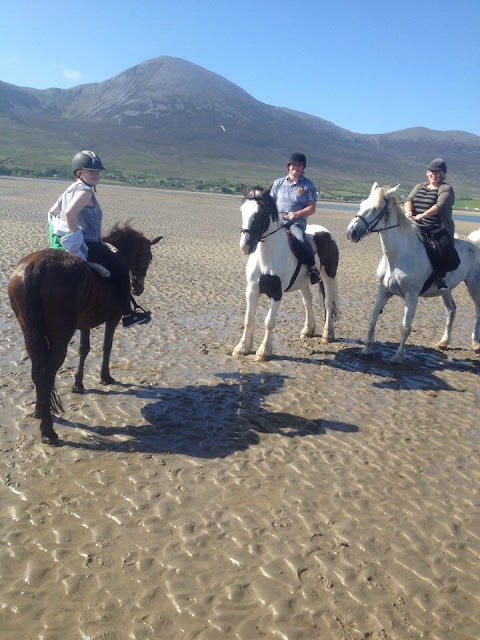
x: 437, y: 165
x: 297, y: 157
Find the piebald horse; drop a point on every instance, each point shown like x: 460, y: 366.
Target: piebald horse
x: 405, y: 267
x: 273, y: 269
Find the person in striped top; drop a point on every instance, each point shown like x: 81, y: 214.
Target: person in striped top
x: 430, y: 206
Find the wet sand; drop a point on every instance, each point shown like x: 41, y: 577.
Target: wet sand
x: 321, y: 495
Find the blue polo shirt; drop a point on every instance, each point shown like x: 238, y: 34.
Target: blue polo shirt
x: 293, y: 197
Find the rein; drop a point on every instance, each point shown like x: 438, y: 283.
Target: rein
x: 262, y: 238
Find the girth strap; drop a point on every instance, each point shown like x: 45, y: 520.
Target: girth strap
x: 295, y: 274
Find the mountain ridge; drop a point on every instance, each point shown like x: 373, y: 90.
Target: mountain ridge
x: 168, y: 116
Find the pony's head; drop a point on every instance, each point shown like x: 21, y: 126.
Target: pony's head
x: 136, y: 249
x: 258, y: 212
x: 374, y: 213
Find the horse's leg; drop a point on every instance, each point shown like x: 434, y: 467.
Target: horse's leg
x: 451, y: 309
x: 82, y: 353
x: 473, y: 286
x: 265, y: 350
x: 328, y: 291
x: 383, y: 296
x: 105, y: 377
x: 44, y: 371
x: 308, y: 330
x: 244, y: 347
x: 411, y: 301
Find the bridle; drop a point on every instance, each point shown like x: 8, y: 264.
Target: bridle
x: 370, y: 226
x: 265, y: 235
x: 262, y: 238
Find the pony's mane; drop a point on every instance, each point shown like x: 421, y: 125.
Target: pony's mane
x: 119, y: 234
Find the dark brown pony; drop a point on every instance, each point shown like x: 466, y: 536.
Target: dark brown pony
x: 53, y: 293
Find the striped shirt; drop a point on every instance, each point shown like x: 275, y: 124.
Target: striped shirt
x: 422, y: 201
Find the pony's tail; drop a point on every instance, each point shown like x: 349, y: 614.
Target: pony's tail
x: 36, y: 339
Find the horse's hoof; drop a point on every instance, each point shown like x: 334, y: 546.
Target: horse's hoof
x: 108, y: 380
x: 51, y: 439
x: 443, y: 346
x: 327, y: 339
x: 78, y: 388
x: 307, y: 334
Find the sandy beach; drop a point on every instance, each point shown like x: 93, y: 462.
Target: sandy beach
x: 323, y: 495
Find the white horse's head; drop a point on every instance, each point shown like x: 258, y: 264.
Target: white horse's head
x: 258, y: 213
x: 372, y: 215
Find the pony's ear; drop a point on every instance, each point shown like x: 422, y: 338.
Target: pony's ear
x: 245, y: 189
x: 155, y: 240
x: 392, y: 190
x: 374, y: 186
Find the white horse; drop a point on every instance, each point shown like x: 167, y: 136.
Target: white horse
x: 273, y: 269
x: 405, y: 267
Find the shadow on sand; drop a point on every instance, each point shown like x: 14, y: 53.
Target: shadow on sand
x: 206, y: 421
x: 419, y: 371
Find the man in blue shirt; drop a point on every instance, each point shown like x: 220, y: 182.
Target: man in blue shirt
x: 296, y: 199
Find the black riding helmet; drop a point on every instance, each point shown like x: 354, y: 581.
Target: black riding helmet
x: 86, y: 160
x: 298, y: 157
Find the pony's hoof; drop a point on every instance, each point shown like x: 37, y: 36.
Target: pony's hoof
x: 442, y: 345
x: 78, y: 388
x: 327, y: 339
x: 366, y: 351
x: 51, y: 439
x: 108, y: 380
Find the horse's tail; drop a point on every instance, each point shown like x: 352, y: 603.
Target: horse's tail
x: 328, y: 254
x: 36, y: 339
x: 475, y: 237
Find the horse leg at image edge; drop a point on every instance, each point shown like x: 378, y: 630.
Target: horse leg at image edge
x: 244, y: 347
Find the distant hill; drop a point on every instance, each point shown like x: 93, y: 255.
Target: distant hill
x: 170, y: 118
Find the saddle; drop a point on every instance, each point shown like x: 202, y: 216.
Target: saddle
x: 297, y: 247
x: 442, y: 254
x: 441, y: 251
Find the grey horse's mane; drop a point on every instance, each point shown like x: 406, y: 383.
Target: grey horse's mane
x: 391, y: 203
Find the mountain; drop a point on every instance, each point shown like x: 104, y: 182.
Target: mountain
x: 169, y: 117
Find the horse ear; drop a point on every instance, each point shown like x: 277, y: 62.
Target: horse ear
x: 152, y: 242
x: 245, y: 189
x: 374, y: 186
x: 392, y: 190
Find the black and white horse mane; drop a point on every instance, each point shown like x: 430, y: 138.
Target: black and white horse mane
x: 266, y: 204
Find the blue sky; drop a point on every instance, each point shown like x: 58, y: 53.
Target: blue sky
x: 370, y: 67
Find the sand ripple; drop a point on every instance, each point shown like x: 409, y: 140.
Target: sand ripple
x: 320, y: 495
